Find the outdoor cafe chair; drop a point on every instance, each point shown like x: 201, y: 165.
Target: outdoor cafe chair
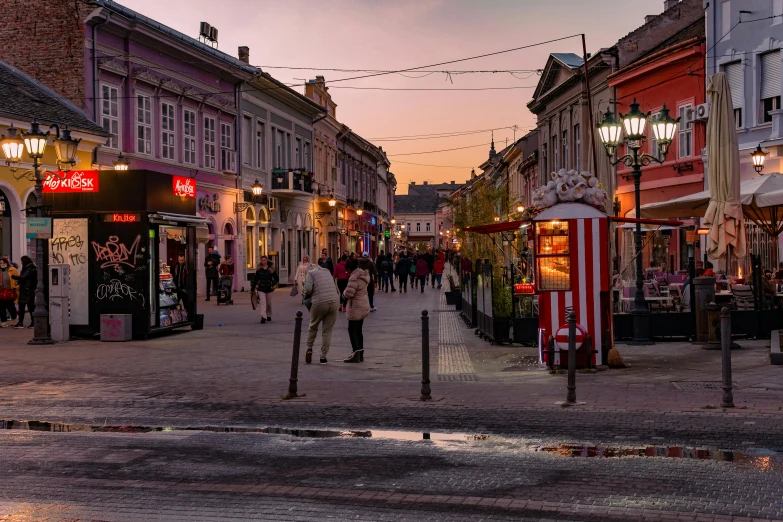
x: 743, y: 297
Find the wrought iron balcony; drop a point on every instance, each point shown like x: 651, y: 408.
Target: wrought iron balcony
x: 292, y: 181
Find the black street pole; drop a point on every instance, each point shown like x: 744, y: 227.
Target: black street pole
x: 641, y: 317
x: 40, y: 314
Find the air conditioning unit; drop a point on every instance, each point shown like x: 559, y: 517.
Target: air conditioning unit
x: 273, y: 203
x: 701, y: 112
x: 688, y: 117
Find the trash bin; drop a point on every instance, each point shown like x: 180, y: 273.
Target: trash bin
x: 705, y: 294
x: 116, y: 327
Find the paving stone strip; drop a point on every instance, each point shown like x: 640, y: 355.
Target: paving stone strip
x: 453, y: 358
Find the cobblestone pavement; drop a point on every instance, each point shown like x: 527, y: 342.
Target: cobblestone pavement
x: 235, y: 372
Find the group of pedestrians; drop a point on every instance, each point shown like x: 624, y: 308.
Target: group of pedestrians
x: 17, y: 291
x: 348, y: 286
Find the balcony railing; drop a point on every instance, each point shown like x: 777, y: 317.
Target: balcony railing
x: 292, y: 181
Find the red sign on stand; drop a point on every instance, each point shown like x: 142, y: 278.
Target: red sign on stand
x: 72, y: 181
x: 183, y: 187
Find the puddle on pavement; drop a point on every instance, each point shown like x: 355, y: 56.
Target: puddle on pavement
x: 758, y: 461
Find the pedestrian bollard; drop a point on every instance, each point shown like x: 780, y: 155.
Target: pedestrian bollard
x: 571, y: 319
x: 550, y: 352
x: 295, y: 358
x: 725, y: 346
x: 425, y: 357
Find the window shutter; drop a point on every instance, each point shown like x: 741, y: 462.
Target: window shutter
x: 734, y: 76
x: 770, y: 75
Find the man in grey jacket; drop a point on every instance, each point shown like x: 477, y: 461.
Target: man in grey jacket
x: 320, y: 289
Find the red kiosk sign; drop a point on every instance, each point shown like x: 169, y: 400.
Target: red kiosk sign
x: 183, y: 187
x: 72, y: 181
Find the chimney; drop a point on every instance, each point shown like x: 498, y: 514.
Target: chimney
x: 452, y: 183
x: 425, y: 182
x: 649, y: 18
x: 413, y: 183
x: 669, y: 3
x: 244, y: 54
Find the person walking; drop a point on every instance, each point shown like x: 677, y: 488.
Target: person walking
x: 365, y: 263
x: 395, y: 260
x: 9, y: 292
x: 320, y: 292
x: 227, y: 266
x: 181, y: 277
x: 429, y: 257
x: 403, y: 269
x: 28, y: 283
x: 301, y: 273
x: 265, y: 281
x: 422, y: 271
x: 358, y: 308
x: 211, y: 263
x: 414, y: 280
x: 326, y: 262
x: 341, y: 275
x: 437, y: 270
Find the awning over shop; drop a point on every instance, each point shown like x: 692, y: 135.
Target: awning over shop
x: 496, y: 227
x: 695, y: 205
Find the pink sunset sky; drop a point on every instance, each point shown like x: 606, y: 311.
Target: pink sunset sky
x: 399, y: 34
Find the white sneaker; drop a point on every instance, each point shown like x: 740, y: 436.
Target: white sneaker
x: 4, y: 325
x: 373, y: 309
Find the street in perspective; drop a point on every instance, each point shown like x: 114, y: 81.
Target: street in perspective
x: 531, y: 270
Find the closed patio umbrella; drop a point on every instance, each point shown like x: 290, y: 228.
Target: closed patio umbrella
x: 724, y: 213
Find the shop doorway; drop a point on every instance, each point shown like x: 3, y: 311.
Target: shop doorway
x: 6, y: 234
x: 228, y: 233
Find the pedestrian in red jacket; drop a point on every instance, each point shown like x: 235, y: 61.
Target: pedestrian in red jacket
x: 438, y: 271
x: 422, y: 271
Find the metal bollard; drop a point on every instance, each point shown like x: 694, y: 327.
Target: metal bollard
x: 425, y: 356
x: 295, y: 358
x: 725, y: 346
x: 571, y: 319
x: 550, y: 352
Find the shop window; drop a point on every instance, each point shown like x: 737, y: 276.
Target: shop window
x: 685, y: 133
x: 552, y: 256
x: 227, y: 152
x: 249, y: 247
x: 167, y: 131
x: 189, y: 132
x: 110, y: 115
x: 143, y: 124
x: 209, y: 142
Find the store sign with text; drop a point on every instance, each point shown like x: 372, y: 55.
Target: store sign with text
x: 183, y: 187
x: 71, y: 181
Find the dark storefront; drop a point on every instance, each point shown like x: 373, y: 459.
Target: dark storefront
x: 122, y: 242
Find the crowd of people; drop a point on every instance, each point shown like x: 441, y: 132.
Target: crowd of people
x: 328, y: 288
x: 17, y: 291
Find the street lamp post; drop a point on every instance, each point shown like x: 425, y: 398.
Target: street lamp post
x: 611, y: 130
x: 35, y: 142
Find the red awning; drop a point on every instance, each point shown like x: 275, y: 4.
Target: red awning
x: 496, y: 227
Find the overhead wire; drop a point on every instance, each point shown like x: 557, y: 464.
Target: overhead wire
x: 435, y: 166
x: 437, y: 151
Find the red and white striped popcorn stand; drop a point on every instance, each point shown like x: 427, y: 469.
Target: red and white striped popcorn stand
x: 571, y: 255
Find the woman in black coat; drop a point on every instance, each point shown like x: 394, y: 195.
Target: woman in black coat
x: 28, y: 284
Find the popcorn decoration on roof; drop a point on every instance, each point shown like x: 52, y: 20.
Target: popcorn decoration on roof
x: 570, y: 186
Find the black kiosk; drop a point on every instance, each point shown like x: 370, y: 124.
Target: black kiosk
x: 122, y: 241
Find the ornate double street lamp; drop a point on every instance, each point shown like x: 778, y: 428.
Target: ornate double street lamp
x: 34, y: 142
x: 664, y: 129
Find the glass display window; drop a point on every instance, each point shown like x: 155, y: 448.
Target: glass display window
x: 553, y: 259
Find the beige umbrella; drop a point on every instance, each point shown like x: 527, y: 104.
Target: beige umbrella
x: 724, y: 213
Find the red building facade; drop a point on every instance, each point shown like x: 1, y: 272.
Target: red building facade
x: 672, y: 74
